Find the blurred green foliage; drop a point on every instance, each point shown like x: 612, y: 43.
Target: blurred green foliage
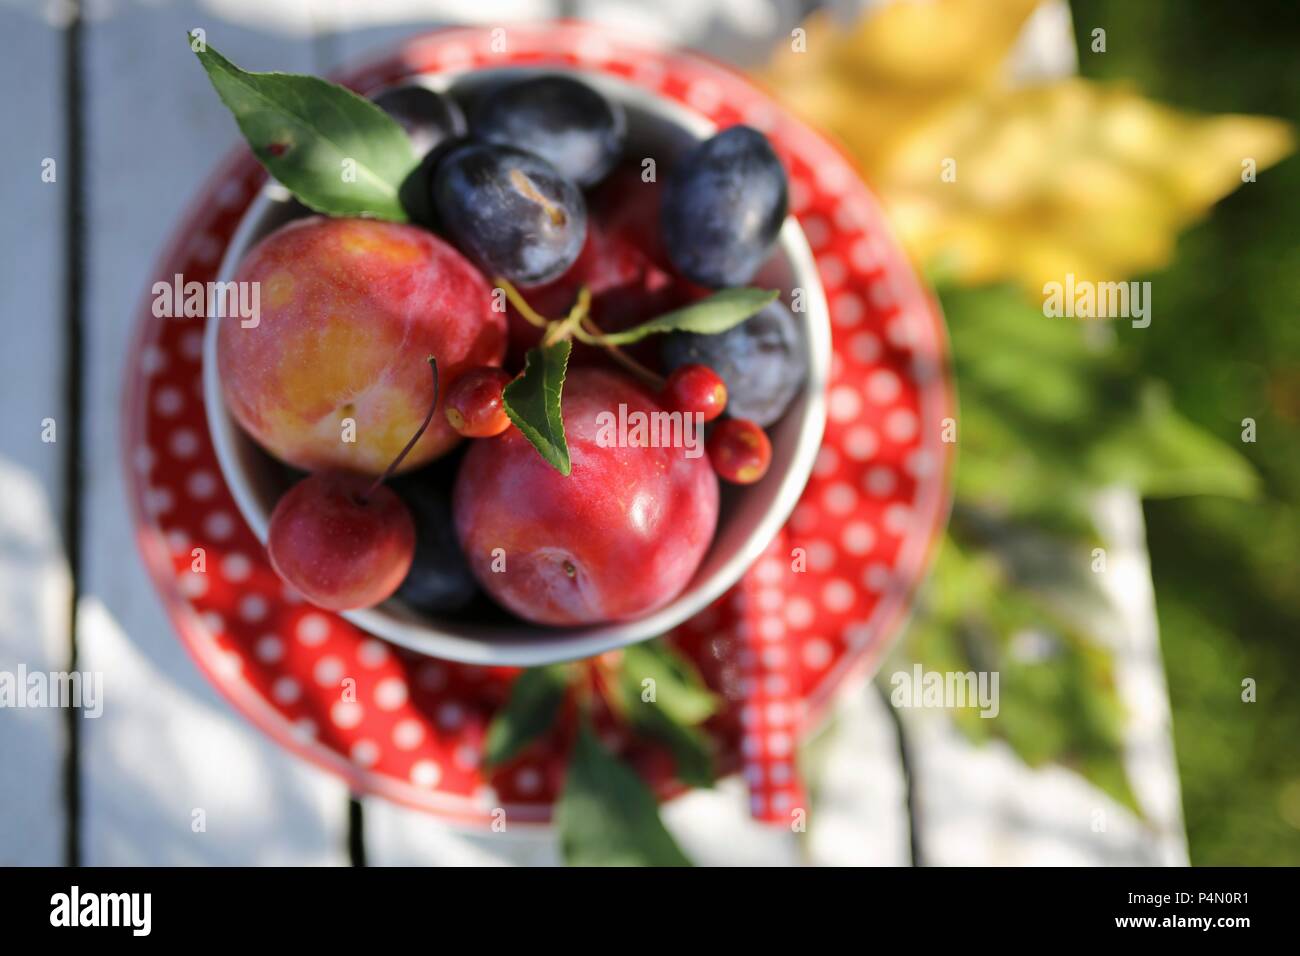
x: 1056, y: 682
x: 1053, y: 410
x: 1226, y: 339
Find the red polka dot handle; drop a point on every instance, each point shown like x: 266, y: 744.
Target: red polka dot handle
x: 819, y: 607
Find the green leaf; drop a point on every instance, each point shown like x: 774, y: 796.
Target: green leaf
x: 681, y: 702
x: 1058, y: 701
x: 690, y: 746
x: 535, y: 699
x: 337, y: 152
x: 678, y: 690
x: 1051, y: 412
x: 717, y: 313
x: 606, y: 815
x: 1163, y: 455
x: 533, y: 402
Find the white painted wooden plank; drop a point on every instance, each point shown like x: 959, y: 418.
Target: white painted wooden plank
x: 857, y: 816
x: 742, y: 32
x: 983, y: 806
x: 859, y: 797
x: 167, y: 743
x: 34, y: 581
x: 389, y: 18
x: 357, y: 31
x: 396, y: 836
x: 1045, y: 49
x: 714, y: 828
x: 1149, y: 757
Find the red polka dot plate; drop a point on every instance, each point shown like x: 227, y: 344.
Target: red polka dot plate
x: 817, y: 609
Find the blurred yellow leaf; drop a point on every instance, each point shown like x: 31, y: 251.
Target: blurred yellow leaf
x: 872, y: 82
x: 1066, y: 176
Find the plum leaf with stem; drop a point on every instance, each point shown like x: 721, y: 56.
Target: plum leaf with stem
x: 674, y: 718
x: 306, y: 131
x: 535, y: 699
x: 607, y: 815
x: 717, y: 313
x: 532, y: 401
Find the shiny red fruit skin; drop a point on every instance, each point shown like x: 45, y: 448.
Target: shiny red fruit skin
x: 474, y: 405
x: 695, y: 388
x: 618, y: 537
x: 349, y: 310
x: 740, y: 451
x: 340, y: 554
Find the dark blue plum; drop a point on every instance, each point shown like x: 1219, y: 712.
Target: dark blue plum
x: 723, y: 206
x: 439, y: 579
x: 566, y: 122
x: 510, y: 211
x: 429, y: 118
x: 762, y: 361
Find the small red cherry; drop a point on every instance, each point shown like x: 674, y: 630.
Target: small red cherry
x: 474, y: 405
x: 338, y: 550
x: 740, y: 451
x: 344, y: 540
x: 696, y: 388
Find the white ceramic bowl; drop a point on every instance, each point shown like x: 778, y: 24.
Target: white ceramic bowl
x: 749, y: 517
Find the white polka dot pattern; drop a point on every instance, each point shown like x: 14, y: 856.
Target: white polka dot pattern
x: 826, y: 594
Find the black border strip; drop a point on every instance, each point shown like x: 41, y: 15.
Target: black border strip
x: 74, y: 251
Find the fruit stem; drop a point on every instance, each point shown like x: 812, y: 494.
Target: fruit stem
x: 593, y: 336
x: 569, y: 325
x: 604, y: 672
x: 595, y: 688
x: 517, y: 300
x: 579, y: 324
x: 388, y: 472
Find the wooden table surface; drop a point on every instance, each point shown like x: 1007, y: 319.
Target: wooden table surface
x: 131, y: 123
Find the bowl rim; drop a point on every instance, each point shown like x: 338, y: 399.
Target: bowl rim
x: 546, y: 645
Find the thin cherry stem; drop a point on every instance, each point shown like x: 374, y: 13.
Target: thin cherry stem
x: 388, y: 472
x: 622, y: 358
x: 582, y: 335
x: 517, y: 300
x: 580, y: 325
x: 559, y: 331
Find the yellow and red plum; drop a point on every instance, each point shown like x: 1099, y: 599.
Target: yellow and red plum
x: 350, y: 308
